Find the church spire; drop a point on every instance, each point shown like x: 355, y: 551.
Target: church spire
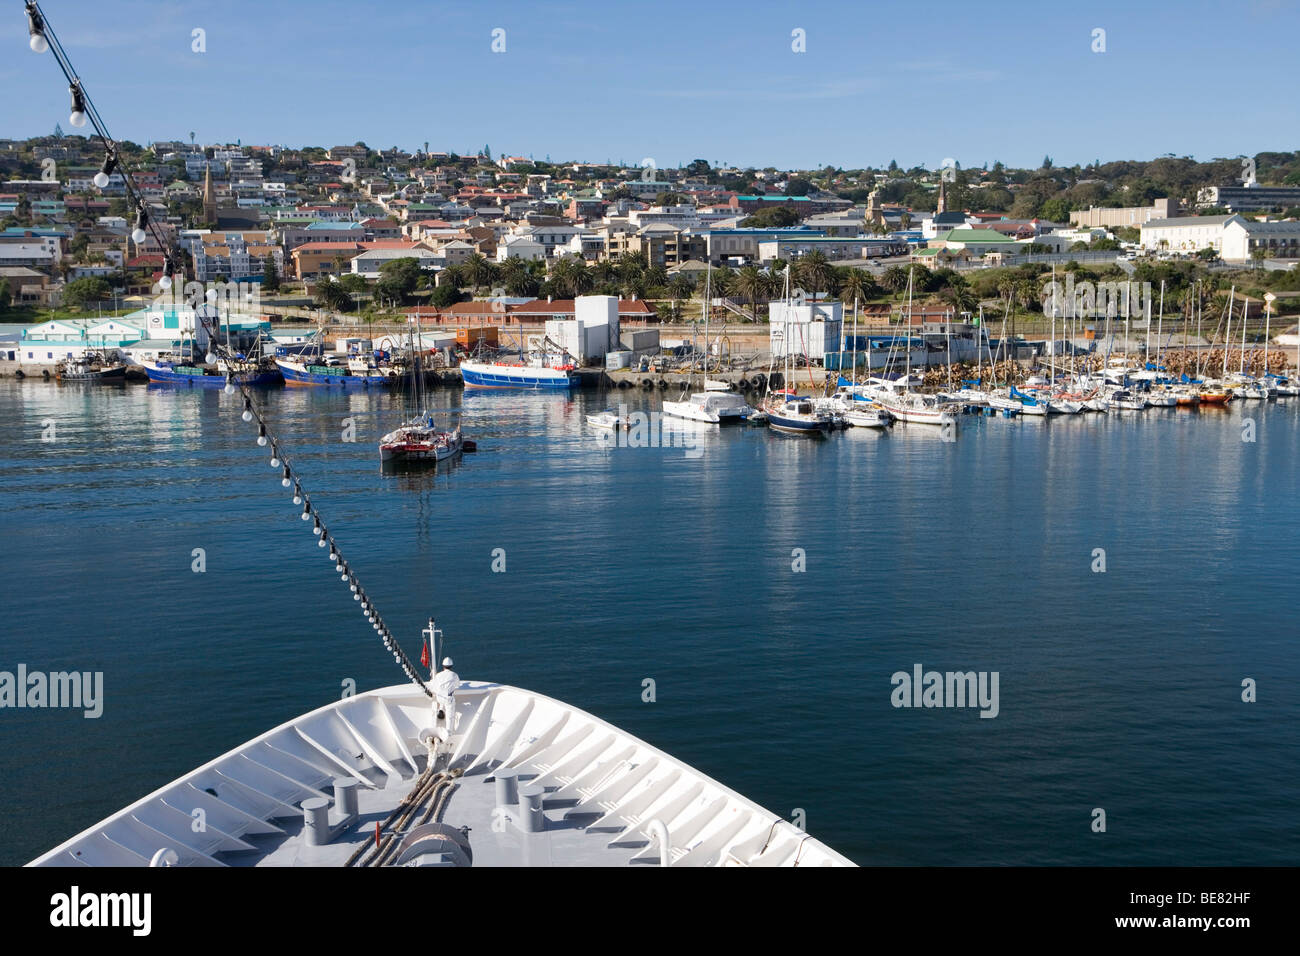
x: 209, y: 199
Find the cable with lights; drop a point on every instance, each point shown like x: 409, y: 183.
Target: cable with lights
x: 42, y: 39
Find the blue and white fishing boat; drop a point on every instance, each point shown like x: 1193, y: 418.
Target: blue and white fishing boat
x: 206, y: 376
x: 532, y: 375
x: 376, y: 370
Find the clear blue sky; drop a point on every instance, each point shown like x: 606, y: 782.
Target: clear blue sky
x: 673, y: 81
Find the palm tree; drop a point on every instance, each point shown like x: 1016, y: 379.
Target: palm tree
x: 751, y: 284
x: 813, y: 271
x: 722, y: 282
x: 855, y: 285
x: 680, y: 287
x: 563, y: 274
x: 656, y: 277
x: 905, y: 220
x: 894, y: 279
x: 477, y: 270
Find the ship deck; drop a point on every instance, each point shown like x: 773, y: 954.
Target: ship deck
x: 518, y: 779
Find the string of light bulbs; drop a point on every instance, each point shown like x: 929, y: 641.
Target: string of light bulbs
x: 42, y: 39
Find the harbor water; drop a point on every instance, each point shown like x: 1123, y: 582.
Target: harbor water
x: 1128, y: 577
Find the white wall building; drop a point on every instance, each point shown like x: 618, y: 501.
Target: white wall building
x: 806, y: 330
x: 1232, y: 237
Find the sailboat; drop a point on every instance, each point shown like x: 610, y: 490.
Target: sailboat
x: 717, y: 403
x: 914, y: 407
x: 418, y: 440
x: 786, y: 410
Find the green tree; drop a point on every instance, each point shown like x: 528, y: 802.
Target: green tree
x: 774, y: 217
x: 751, y: 284
x: 330, y: 295
x: 82, y: 293
x: 270, y: 275
x: 399, y: 277
x: 814, y: 271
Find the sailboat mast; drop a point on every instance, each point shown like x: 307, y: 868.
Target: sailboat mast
x: 1160, y: 325
x: 1227, y: 332
x: 1245, y: 311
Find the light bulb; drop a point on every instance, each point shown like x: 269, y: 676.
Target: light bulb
x: 77, y: 118
x: 321, y: 543
x: 101, y: 179
x: 211, y: 356
x: 230, y: 387
x: 261, y: 440
x: 38, y: 43
x: 212, y: 295
x: 306, y: 515
x: 297, y: 497
x: 138, y: 235
x: 166, y: 283
x: 356, y: 597
x: 248, y: 417
x: 275, y: 460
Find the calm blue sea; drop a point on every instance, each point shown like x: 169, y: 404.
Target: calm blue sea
x: 1119, y: 690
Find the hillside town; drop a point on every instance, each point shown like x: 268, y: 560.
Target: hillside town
x: 354, y: 234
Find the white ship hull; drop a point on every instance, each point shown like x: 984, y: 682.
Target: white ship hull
x: 609, y: 798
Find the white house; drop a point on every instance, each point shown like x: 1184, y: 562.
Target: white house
x: 369, y: 263
x: 520, y: 247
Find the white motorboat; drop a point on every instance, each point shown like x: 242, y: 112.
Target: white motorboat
x: 607, y: 419
x: 712, y: 407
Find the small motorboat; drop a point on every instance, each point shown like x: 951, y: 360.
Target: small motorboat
x: 607, y: 419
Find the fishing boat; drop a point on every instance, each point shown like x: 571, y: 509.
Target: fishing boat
x: 91, y: 368
x: 355, y: 372
x: 208, y: 375
x: 533, y: 374
x: 607, y: 419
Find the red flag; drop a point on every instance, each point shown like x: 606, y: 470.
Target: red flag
x: 424, y: 653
